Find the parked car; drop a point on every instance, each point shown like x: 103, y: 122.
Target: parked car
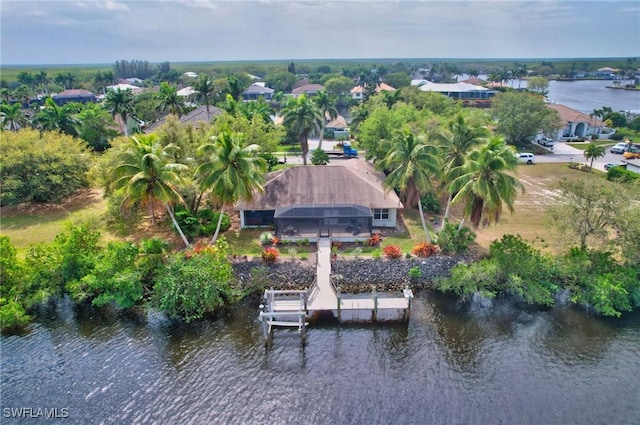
x: 611, y: 165
x: 526, y: 158
x: 618, y: 148
x: 631, y: 154
x: 546, y: 141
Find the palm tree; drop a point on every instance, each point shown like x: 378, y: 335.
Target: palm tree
x: 592, y: 152
x: 57, y: 118
x: 169, y: 100
x: 486, y: 182
x: 120, y: 102
x: 358, y: 115
x: 232, y: 173
x: 12, y: 117
x: 456, y: 144
x: 412, y: 166
x: 597, y: 113
x: 327, y: 105
x: 42, y: 80
x: 390, y: 98
x: 147, y: 176
x: 303, y: 116
x: 235, y: 89
x: 205, y: 88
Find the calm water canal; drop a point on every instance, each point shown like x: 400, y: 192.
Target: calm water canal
x: 451, y: 364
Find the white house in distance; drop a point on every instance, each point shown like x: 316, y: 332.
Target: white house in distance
x: 347, y: 201
x: 455, y: 90
x: 576, y: 124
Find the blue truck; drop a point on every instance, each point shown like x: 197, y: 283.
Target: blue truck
x: 347, y: 151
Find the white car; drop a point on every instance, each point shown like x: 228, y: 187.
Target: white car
x: 526, y: 158
x: 619, y: 148
x: 545, y: 141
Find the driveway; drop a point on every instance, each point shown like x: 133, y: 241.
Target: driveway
x: 562, y: 152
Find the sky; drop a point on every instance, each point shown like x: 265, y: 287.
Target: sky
x: 104, y: 31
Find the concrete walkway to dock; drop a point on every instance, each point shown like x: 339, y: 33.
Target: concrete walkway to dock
x: 323, y: 296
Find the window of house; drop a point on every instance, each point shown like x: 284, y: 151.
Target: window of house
x: 381, y: 214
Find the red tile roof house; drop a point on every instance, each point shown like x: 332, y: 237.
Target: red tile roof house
x: 577, y: 125
x: 347, y: 201
x: 358, y: 91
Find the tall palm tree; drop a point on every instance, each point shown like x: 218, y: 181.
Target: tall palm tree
x: 205, y: 88
x: 147, y: 176
x: 592, y: 152
x: 358, y: 115
x: 487, y: 182
x: 57, y: 118
x: 170, y: 102
x: 42, y: 80
x: 455, y: 145
x: 232, y: 173
x: 390, y: 98
x: 235, y: 88
x: 304, y: 117
x: 120, y: 103
x: 413, y: 165
x: 12, y: 117
x: 327, y: 105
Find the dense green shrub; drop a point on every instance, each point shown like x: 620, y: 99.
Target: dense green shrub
x: 514, y: 268
x: 597, y: 280
x: 41, y: 167
x: 114, y: 279
x: 13, y: 289
x: 195, y: 283
x: 270, y: 159
x: 319, y: 157
x: 616, y: 136
x: 203, y: 223
x: 621, y: 175
x: 430, y: 203
x: 453, y: 240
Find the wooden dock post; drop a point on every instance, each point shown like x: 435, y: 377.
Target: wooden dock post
x: 374, y: 295
x: 408, y: 294
x: 338, y: 292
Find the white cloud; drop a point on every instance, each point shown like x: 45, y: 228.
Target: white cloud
x: 182, y: 30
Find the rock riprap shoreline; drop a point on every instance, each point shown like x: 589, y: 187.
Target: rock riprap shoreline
x: 353, y: 276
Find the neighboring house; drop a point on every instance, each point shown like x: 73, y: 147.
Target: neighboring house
x: 575, y: 123
x: 186, y: 91
x: 196, y: 117
x: 606, y: 72
x: 337, y: 128
x: 134, y: 89
x: 455, y: 90
x: 307, y: 89
x: 75, y: 95
x: 256, y: 91
x: 632, y: 165
x: 347, y: 201
x: 358, y: 91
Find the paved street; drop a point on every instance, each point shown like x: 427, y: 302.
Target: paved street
x: 561, y: 153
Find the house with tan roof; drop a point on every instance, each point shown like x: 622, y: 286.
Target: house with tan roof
x: 256, y: 91
x: 307, y: 89
x: 576, y: 124
x: 346, y: 201
x: 358, y: 91
x: 195, y: 118
x: 74, y: 95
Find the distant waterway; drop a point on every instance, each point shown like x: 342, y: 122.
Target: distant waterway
x: 451, y: 364
x: 589, y: 95
x: 586, y: 95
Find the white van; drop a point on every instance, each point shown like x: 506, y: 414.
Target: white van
x: 526, y: 158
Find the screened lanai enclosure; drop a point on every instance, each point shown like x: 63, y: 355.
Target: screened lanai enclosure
x: 346, y: 222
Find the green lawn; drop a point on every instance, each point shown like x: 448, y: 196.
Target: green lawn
x: 583, y: 145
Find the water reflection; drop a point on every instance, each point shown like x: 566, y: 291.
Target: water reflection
x: 452, y: 363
